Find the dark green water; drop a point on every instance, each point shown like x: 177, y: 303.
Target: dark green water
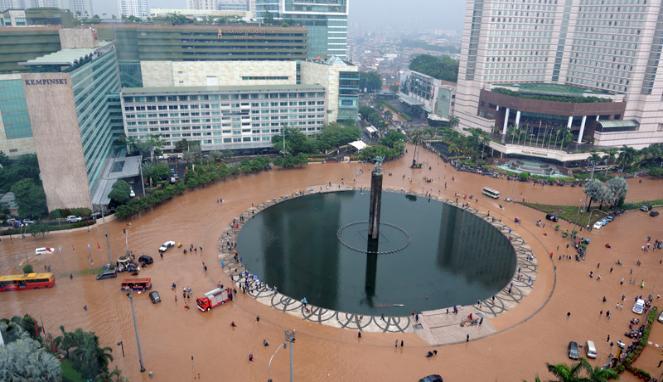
x: 453, y: 257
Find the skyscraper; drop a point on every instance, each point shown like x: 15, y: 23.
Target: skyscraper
x: 136, y: 8
x: 326, y: 22
x: 601, y: 52
x: 81, y: 8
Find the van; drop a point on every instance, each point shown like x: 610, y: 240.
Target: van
x: 44, y: 251
x: 591, y: 350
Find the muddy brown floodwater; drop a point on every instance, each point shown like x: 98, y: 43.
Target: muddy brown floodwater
x: 181, y: 344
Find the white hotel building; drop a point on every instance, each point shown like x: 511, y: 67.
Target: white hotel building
x: 591, y: 67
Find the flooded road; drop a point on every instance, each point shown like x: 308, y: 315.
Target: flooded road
x: 181, y: 344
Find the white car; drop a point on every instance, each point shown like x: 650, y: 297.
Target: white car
x: 639, y: 306
x: 598, y: 225
x: 660, y: 318
x: 44, y: 251
x: 132, y: 194
x: 73, y: 219
x: 166, y: 246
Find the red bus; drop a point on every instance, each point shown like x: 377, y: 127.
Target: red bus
x: 137, y: 285
x: 26, y: 281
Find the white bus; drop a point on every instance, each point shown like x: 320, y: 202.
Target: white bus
x: 491, y: 193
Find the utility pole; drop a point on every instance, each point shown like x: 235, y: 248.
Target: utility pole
x: 133, y: 316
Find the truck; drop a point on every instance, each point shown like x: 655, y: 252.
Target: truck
x: 214, y: 298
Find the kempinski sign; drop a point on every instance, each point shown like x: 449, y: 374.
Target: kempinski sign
x: 56, y: 81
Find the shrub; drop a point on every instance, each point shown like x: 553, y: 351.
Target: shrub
x: 27, y: 268
x: 656, y: 172
x: 524, y: 176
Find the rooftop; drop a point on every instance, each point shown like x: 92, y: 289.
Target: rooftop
x: 251, y: 28
x: 66, y: 56
x: 211, y: 89
x: 552, y: 89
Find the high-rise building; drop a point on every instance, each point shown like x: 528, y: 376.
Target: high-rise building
x: 81, y: 8
x: 326, y: 22
x: 142, y: 42
x: 547, y: 73
x: 70, y: 99
x: 136, y: 8
x: 224, y: 5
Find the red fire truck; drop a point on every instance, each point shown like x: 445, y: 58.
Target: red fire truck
x: 214, y: 298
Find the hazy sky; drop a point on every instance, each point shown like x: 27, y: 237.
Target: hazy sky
x: 365, y: 14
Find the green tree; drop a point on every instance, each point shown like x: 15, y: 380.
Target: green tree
x: 119, y: 193
x: 443, y: 68
x: 594, y: 159
x: 291, y: 161
x: 566, y: 373
x: 593, y: 190
x: 295, y: 142
x: 156, y: 172
x: 26, y: 360
x: 627, y: 157
x: 372, y: 116
x: 30, y: 198
x: 27, y: 268
x: 335, y: 135
x: 83, y: 350
x: 618, y: 189
x: 4, y: 159
x: 454, y: 121
x: 371, y: 81
x: 392, y: 137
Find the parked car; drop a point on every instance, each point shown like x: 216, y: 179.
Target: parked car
x: 639, y: 306
x: 645, y: 208
x: 551, y: 217
x: 28, y: 222
x: 660, y: 318
x: 132, y: 194
x: 44, y: 251
x: 109, y: 272
x: 73, y: 219
x: 144, y: 260
x: 598, y: 225
x: 609, y: 218
x: 653, y: 213
x: 591, y: 350
x: 574, y: 353
x: 154, y: 297
x: 166, y: 246
x: 432, y: 378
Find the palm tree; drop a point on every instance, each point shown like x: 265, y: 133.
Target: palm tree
x: 594, y: 158
x: 611, y: 156
x: 566, y: 373
x: 599, y: 374
x: 454, y: 121
x: 627, y: 156
x: 418, y: 136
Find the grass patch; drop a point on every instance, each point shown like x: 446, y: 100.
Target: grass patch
x: 637, y: 205
x: 69, y: 374
x: 88, y: 272
x: 572, y: 214
x: 578, y: 216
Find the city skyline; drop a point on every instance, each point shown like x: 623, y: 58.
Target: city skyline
x: 413, y: 16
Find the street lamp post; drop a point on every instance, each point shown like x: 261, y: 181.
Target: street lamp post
x: 290, y: 338
x: 108, y: 247
x: 121, y: 345
x: 133, y: 316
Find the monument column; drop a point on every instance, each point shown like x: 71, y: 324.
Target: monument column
x: 376, y: 201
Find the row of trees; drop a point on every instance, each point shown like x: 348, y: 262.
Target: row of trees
x: 198, y: 174
x: 372, y: 116
x: 331, y: 137
x: 21, y: 176
x: 611, y: 193
x: 31, y: 355
x: 391, y: 146
x: 472, y: 146
x: 370, y: 82
x: 629, y: 159
x: 582, y: 371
